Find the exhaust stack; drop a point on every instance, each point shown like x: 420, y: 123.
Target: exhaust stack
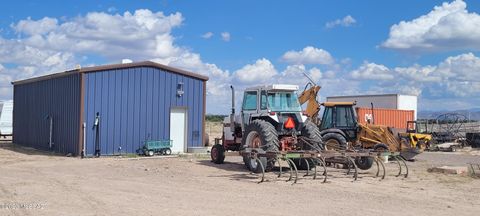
x: 232, y: 115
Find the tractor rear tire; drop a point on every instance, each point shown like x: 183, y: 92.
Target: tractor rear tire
x: 312, y: 133
x: 217, y: 154
x: 334, y: 141
x: 262, y: 136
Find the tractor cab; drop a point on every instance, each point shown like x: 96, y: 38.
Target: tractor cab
x: 417, y: 127
x: 270, y: 120
x: 342, y: 116
x: 276, y: 104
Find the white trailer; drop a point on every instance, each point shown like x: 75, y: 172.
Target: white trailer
x: 6, y: 115
x: 386, y: 101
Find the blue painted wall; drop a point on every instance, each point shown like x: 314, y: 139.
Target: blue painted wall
x: 134, y: 105
x: 58, y: 97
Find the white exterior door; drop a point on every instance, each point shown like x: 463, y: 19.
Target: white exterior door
x: 178, y: 129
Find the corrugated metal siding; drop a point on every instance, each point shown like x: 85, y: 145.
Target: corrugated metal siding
x: 387, y: 117
x: 134, y: 105
x: 58, y: 97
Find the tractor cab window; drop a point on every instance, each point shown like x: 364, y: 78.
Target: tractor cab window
x: 250, y: 101
x: 344, y: 117
x: 283, y: 102
x: 263, y: 100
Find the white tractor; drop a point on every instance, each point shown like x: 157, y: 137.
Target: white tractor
x: 270, y: 120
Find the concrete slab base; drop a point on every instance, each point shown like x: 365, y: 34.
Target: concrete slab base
x: 198, y: 150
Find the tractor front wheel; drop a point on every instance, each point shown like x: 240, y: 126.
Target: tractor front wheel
x: 262, y: 137
x: 217, y: 154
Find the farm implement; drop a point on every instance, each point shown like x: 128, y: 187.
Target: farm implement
x: 320, y: 160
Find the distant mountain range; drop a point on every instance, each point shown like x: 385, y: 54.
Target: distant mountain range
x: 473, y: 114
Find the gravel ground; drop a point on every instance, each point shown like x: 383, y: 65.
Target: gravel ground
x: 36, y: 183
x: 449, y: 158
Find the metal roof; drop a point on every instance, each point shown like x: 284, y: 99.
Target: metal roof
x: 113, y: 67
x: 372, y: 95
x: 280, y: 87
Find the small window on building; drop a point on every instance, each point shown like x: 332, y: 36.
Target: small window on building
x: 180, y: 89
x: 250, y: 100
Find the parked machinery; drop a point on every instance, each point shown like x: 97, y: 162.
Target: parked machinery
x: 270, y: 120
x: 416, y: 135
x: 340, y: 129
x: 271, y: 128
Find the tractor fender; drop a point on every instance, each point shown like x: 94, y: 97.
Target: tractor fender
x: 333, y: 130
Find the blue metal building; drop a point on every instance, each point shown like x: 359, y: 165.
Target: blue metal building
x: 111, y: 108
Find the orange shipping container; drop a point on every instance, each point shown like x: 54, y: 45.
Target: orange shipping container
x: 387, y: 117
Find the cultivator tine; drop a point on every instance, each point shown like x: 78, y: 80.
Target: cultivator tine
x: 314, y: 171
x: 263, y: 169
x: 355, y: 175
x: 399, y: 166
x: 382, y: 165
x: 322, y: 161
x: 280, y: 168
x: 401, y: 160
x: 293, y: 167
x: 378, y: 166
x: 308, y: 166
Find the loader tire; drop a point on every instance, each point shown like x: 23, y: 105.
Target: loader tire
x: 217, y: 154
x: 263, y: 137
x: 312, y: 133
x: 334, y: 141
x: 381, y: 147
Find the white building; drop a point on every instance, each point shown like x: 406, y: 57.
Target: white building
x: 6, y: 109
x: 386, y: 101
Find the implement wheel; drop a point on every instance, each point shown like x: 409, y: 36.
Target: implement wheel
x: 217, y: 154
x: 364, y: 163
x: 261, y: 136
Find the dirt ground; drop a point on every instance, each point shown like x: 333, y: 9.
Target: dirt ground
x: 36, y: 183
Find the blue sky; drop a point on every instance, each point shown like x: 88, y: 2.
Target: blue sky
x: 426, y: 48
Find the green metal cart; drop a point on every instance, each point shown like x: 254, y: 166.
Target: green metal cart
x: 162, y: 147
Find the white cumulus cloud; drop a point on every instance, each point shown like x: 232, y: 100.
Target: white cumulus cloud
x: 259, y: 72
x: 207, y: 35
x: 457, y: 76
x: 225, y: 36
x: 372, y: 71
x: 309, y: 55
x: 345, y: 22
x: 447, y: 27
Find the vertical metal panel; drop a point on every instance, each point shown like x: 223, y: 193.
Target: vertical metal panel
x: 135, y: 104
x: 388, y: 117
x: 58, y: 97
